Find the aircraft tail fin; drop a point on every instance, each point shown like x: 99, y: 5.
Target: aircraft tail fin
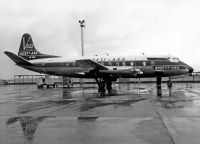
x: 28, y: 51
x: 18, y: 60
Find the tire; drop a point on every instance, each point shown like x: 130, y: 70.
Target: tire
x: 40, y: 86
x: 169, y: 84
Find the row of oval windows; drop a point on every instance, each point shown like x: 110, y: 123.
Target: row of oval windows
x: 123, y: 63
x: 140, y: 63
x: 127, y: 63
x: 104, y: 59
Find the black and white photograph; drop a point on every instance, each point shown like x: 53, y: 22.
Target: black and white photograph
x: 99, y: 71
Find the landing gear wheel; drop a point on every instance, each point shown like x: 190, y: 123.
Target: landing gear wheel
x: 101, y: 95
x: 102, y: 83
x: 101, y: 90
x: 109, y: 86
x: 40, y: 86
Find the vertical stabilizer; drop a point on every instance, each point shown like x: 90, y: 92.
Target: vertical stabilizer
x: 28, y: 51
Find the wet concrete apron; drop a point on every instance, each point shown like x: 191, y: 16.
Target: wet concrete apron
x: 74, y: 115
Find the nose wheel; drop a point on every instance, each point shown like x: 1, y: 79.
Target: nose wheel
x: 158, y: 85
x: 169, y: 83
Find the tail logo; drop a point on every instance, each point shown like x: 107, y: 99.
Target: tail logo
x: 27, y: 45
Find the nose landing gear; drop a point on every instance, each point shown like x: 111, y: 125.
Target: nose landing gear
x: 159, y: 87
x: 169, y: 83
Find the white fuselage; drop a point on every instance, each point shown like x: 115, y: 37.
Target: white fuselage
x: 117, y: 66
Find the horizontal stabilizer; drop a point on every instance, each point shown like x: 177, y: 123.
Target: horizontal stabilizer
x: 18, y: 60
x: 88, y: 63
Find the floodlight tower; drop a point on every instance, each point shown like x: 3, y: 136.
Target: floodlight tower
x: 82, y: 36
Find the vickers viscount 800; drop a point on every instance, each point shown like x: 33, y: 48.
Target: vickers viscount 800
x: 104, y: 70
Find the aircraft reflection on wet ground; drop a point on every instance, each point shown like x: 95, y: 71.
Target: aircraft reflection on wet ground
x: 134, y: 114
x: 28, y: 124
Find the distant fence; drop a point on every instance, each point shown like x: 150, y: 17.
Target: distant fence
x: 30, y: 79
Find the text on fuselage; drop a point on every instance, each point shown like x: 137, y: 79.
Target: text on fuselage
x: 167, y: 68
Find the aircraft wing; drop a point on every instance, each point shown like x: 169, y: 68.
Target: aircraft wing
x: 88, y: 63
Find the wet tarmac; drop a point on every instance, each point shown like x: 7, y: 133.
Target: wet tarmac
x: 131, y: 114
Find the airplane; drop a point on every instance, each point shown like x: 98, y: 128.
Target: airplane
x: 104, y: 70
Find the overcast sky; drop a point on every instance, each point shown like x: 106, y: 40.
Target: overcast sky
x: 112, y: 26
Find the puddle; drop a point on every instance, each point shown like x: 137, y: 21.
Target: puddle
x: 172, y: 103
x: 88, y: 106
x: 85, y: 119
x: 94, y: 104
x: 129, y: 102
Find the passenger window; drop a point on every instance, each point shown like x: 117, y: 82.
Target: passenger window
x: 123, y: 63
x: 114, y: 64
x: 101, y: 63
x: 132, y: 63
x: 67, y: 64
x: 152, y: 63
x: 106, y: 63
x: 127, y: 63
x: 144, y: 63
x: 70, y: 65
x: 73, y: 64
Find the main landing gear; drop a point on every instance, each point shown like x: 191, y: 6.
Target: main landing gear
x: 103, y: 85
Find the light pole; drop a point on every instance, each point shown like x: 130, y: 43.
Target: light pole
x: 82, y: 36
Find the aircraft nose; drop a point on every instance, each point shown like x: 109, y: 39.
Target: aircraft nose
x: 190, y: 69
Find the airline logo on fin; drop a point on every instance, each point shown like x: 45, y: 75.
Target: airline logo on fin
x: 27, y: 49
x: 26, y: 45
